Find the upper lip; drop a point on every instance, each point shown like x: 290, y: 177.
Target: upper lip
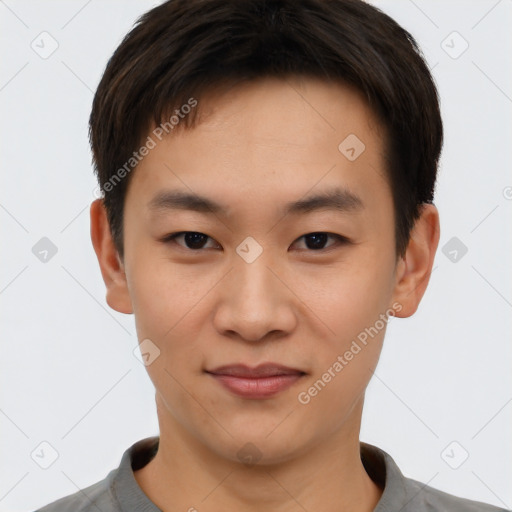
x: 262, y: 370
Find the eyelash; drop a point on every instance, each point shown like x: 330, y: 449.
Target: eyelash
x: 341, y: 240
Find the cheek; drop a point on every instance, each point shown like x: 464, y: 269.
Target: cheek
x: 345, y: 359
x: 350, y: 297
x: 172, y: 306
x: 163, y: 293
x: 350, y: 302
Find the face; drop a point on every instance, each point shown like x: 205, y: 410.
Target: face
x: 290, y: 259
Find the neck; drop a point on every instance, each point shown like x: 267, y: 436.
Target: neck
x: 186, y: 475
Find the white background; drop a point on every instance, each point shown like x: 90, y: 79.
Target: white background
x: 68, y: 375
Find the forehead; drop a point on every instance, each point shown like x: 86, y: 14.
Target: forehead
x: 269, y: 140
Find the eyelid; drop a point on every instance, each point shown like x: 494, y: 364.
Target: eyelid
x: 170, y: 238
x: 340, y: 240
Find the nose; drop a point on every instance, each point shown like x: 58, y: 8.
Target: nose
x: 255, y: 302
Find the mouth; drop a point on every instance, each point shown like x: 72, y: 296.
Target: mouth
x: 263, y: 381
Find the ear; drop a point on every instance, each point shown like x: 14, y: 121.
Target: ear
x: 414, y: 269
x: 112, y: 268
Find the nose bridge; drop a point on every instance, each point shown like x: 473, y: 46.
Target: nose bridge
x: 256, y: 301
x: 255, y: 285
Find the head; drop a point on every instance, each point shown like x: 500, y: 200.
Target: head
x: 291, y: 148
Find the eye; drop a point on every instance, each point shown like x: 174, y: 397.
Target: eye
x: 193, y: 240
x: 316, y: 241
x: 196, y: 241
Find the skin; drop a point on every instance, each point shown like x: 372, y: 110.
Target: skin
x: 257, y: 147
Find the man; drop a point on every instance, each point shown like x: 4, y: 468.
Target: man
x: 268, y: 171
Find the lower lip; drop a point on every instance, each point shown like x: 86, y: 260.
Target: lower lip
x: 257, y: 388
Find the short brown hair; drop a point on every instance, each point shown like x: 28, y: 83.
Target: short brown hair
x: 182, y: 48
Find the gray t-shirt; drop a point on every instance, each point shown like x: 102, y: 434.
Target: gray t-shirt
x: 119, y: 491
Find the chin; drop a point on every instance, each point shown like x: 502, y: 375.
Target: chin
x: 259, y: 444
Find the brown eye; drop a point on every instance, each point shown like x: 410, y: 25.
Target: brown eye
x: 192, y: 240
x: 316, y: 241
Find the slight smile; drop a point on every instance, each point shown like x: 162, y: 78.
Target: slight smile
x: 263, y: 381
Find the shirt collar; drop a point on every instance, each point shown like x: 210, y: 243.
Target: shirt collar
x: 383, y: 470
x: 379, y: 465
x: 123, y: 485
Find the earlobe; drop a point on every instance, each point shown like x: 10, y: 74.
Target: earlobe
x: 111, y: 266
x: 414, y: 269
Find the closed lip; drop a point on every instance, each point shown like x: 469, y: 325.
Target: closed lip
x: 260, y: 371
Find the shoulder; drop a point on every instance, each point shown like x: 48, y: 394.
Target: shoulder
x: 404, y: 494
x: 93, y: 498
x: 118, y: 490
x: 424, y: 497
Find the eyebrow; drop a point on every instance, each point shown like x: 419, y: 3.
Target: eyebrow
x: 339, y: 199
